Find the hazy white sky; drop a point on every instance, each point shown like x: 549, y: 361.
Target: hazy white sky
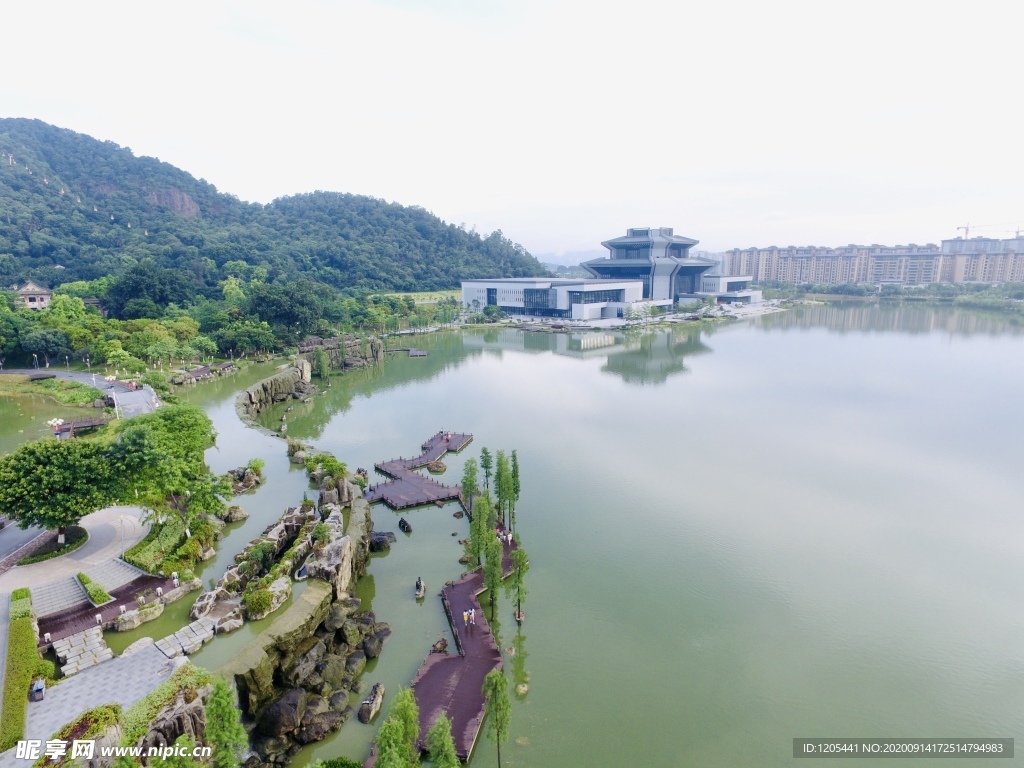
x: 561, y: 122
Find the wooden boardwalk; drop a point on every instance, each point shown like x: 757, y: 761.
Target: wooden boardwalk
x: 408, y: 488
x: 454, y: 684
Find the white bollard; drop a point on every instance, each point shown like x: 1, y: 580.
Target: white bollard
x: 46, y: 638
x: 99, y: 619
x: 159, y: 591
x: 123, y: 609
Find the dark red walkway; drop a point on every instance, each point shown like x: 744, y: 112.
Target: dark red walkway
x: 454, y: 684
x: 409, y: 488
x: 80, y: 618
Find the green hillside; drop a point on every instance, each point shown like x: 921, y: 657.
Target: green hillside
x: 73, y: 208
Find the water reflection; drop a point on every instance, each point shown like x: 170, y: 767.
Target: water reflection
x: 637, y: 357
x: 893, y: 316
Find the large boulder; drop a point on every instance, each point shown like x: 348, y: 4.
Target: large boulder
x: 234, y: 514
x: 284, y: 716
x: 339, y: 701
x: 320, y: 725
x: 182, y: 717
x: 381, y: 541
x: 334, y: 672
x: 352, y: 632
x: 340, y: 611
x: 372, y: 644
x: 356, y: 663
x: 306, y: 665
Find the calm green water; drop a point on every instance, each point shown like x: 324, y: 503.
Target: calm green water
x: 24, y: 418
x: 802, y: 525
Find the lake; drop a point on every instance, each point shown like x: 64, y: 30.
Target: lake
x: 806, y: 524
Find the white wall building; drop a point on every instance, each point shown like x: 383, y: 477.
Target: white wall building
x: 568, y: 298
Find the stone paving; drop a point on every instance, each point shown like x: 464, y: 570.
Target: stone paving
x: 81, y: 651
x: 123, y: 680
x: 187, y: 640
x: 58, y: 595
x: 113, y: 574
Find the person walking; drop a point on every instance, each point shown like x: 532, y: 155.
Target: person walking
x: 465, y: 618
x: 472, y: 616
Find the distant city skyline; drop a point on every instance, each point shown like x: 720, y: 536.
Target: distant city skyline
x: 791, y: 124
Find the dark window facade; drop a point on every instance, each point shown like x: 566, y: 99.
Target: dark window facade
x: 537, y: 311
x: 536, y: 298
x: 596, y: 297
x: 492, y: 297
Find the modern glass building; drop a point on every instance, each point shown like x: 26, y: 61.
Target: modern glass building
x: 656, y: 257
x: 564, y: 297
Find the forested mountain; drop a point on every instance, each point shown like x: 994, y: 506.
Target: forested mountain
x: 74, y: 208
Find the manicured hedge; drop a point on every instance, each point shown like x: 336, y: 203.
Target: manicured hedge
x: 22, y: 661
x: 160, y: 544
x: 88, y: 725
x: 21, y: 608
x: 136, y: 720
x: 96, y: 593
x: 21, y: 593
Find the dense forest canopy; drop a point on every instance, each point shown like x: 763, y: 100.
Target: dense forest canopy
x: 76, y: 209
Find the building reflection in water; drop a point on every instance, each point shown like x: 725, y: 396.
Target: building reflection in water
x: 637, y: 357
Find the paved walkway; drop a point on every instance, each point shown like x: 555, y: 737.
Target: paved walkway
x: 129, y: 402
x: 105, y: 543
x: 123, y: 680
x: 453, y: 684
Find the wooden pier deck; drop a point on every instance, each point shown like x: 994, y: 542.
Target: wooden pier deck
x: 69, y: 428
x: 408, y: 488
x: 453, y: 684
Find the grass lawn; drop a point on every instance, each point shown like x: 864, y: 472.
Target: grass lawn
x: 61, y: 390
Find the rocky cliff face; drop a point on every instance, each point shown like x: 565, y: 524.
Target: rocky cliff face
x: 278, y: 388
x: 344, y: 351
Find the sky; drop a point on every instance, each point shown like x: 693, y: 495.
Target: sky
x: 560, y: 122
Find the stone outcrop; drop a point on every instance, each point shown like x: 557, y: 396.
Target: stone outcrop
x: 138, y: 616
x: 334, y: 559
x: 290, y: 383
x: 344, y: 351
x: 234, y: 514
x: 243, y: 480
x: 222, y: 603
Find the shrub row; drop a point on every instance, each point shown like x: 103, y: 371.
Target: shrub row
x: 22, y: 663
x: 96, y: 593
x: 161, y: 541
x: 21, y: 608
x: 136, y: 720
x: 88, y: 725
x: 74, y: 537
x: 21, y: 593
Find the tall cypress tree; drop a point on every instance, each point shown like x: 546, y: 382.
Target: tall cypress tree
x: 224, y: 731
x: 493, y: 554
x: 486, y: 464
x: 496, y: 691
x: 441, y: 745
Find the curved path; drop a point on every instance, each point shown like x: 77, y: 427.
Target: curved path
x: 105, y: 543
x: 454, y: 684
x: 130, y: 402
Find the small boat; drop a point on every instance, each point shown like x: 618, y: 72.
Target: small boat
x: 371, y: 704
x: 421, y: 588
x: 404, y: 526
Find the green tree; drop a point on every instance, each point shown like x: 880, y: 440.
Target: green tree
x: 470, y: 483
x: 54, y: 483
x: 493, y: 554
x: 500, y: 707
x: 503, y: 485
x: 407, y: 712
x: 486, y: 464
x: 479, y: 527
x: 516, y: 489
x: 441, y: 745
x: 321, y: 363
x: 517, y: 584
x: 46, y: 342
x: 224, y: 731
x: 392, y: 750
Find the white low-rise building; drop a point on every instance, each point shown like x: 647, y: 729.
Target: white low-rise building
x: 566, y: 298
